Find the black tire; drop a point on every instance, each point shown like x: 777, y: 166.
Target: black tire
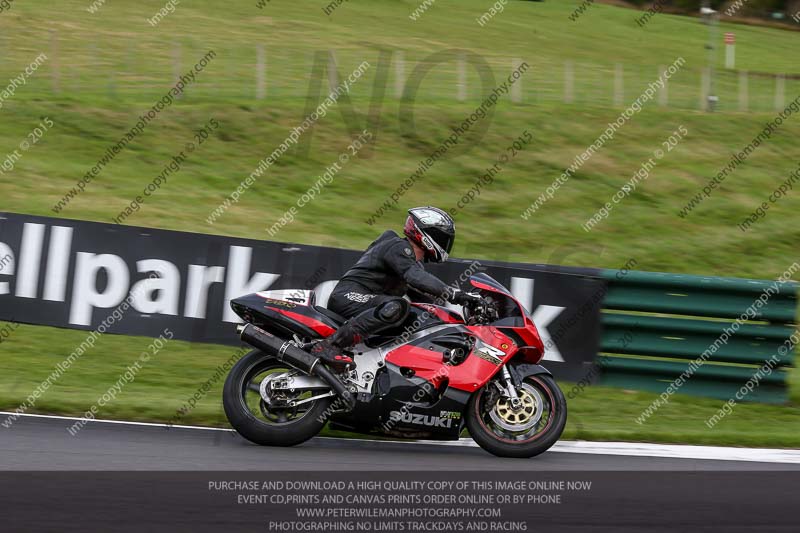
x: 491, y: 441
x: 265, y: 432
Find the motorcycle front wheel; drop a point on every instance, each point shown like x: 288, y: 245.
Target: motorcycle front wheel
x: 523, y: 431
x: 263, y: 423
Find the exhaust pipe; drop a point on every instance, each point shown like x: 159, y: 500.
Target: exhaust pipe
x: 295, y: 357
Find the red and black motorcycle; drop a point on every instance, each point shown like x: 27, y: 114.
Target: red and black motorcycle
x: 429, y: 379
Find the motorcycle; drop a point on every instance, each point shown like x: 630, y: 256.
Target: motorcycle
x: 437, y: 374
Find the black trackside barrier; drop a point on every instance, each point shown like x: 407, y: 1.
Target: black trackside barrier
x: 138, y: 281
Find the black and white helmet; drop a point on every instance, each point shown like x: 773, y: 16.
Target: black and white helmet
x: 433, y: 230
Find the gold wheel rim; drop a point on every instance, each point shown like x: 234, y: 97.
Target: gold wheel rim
x: 519, y: 416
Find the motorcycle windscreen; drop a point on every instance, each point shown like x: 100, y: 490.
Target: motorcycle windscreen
x: 512, y: 314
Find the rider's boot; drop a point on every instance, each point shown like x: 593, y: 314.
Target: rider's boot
x: 330, y: 349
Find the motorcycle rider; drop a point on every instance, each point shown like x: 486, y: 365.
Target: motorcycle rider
x: 370, y: 294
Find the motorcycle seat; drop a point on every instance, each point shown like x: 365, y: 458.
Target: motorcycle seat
x: 339, y: 319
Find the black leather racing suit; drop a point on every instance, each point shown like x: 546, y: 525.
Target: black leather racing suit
x: 370, y: 294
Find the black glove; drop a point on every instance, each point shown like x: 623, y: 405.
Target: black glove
x: 463, y: 298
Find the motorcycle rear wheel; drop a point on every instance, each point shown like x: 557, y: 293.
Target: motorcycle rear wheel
x: 527, y: 432
x: 254, y: 419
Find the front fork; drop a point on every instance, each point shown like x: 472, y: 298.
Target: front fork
x: 509, y: 388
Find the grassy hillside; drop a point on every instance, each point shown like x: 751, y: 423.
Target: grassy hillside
x: 95, y: 57
x: 104, y: 69
x: 644, y: 225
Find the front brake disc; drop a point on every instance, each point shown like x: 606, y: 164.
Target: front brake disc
x: 524, y: 417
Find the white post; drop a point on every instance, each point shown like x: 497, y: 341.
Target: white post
x: 516, y: 89
x: 663, y: 94
x: 744, y: 92
x: 399, y: 74
x: 462, y: 79
x: 569, y: 82
x: 780, y: 92
x: 619, y: 84
x: 730, y: 50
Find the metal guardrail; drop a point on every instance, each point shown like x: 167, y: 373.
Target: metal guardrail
x: 656, y: 326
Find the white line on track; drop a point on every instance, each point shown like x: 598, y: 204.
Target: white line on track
x: 123, y: 422
x: 637, y: 449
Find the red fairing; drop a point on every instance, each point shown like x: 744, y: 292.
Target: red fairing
x: 533, y: 351
x: 442, y: 313
x: 473, y: 373
x: 320, y: 327
x: 482, y: 285
x: 470, y: 375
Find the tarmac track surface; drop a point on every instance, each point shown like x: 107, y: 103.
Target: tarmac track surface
x: 130, y: 477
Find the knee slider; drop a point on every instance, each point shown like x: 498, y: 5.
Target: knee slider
x: 393, y: 311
